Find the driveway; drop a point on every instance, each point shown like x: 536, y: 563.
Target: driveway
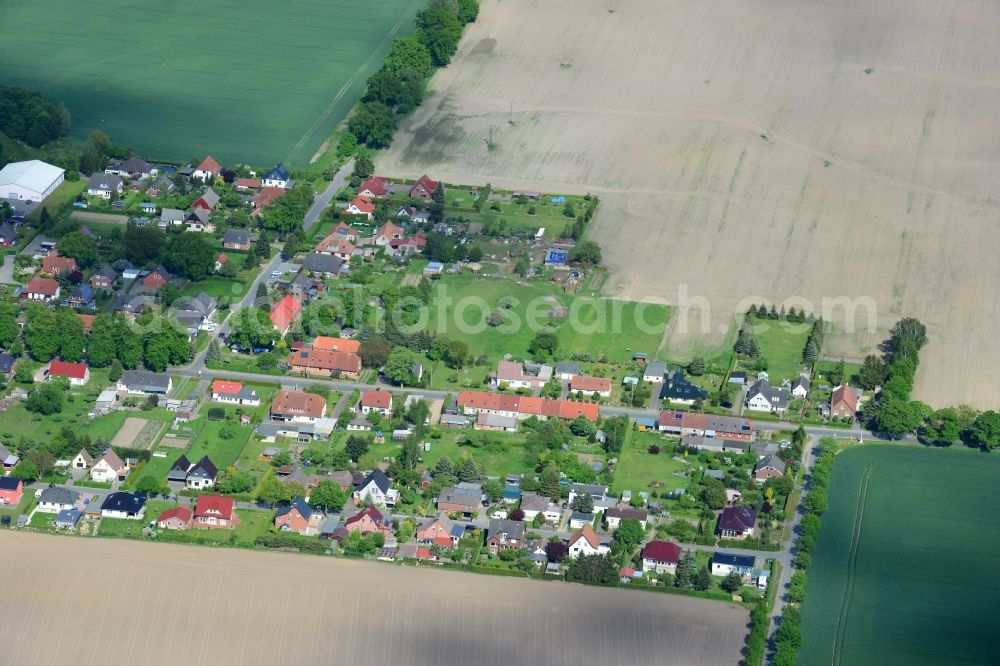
x: 7, y: 270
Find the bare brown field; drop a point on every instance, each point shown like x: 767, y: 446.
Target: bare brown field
x: 75, y: 600
x: 752, y: 150
x: 132, y: 426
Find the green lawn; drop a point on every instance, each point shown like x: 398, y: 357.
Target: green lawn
x: 782, y: 344
x: 460, y: 304
x: 637, y: 469
x: 903, y: 571
x: 268, y: 87
x: 504, y: 456
x: 218, y: 287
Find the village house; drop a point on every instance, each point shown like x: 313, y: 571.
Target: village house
x: 284, y: 312
x: 374, y: 187
x: 104, y: 185
x: 724, y: 564
x: 215, y: 512
x: 8, y: 235
x: 82, y: 460
x: 675, y: 422
x: 737, y: 522
x: 323, y: 265
x: 325, y: 363
x: 171, y: 216
x: 265, y: 198
x: 679, y: 390
x: 369, y: 521
x: 276, y: 177
x: 660, y: 557
x: 376, y: 489
x: 244, y: 184
x: 104, y: 278
x: 156, y: 278
x: 220, y: 261
x: 78, y: 374
x: 361, y: 205
x: 336, y: 245
x: 8, y: 364
x: 465, y: 498
x: 517, y: 375
x: 124, y: 506
x: 40, y: 289
x: 234, y: 393
x: 208, y: 200
x: 54, y: 265
x: 236, y: 239
x: 109, y: 468
x: 202, y: 475
x: 522, y: 407
x: 762, y: 397
x: 495, y: 422
x: 616, y: 514
x: 298, y: 517
x: 11, y: 489
x: 653, y: 373
x: 423, y: 189
x: 843, y: 402
x: 440, y: 531
x: 54, y: 499
x: 177, y: 518
x: 768, y: 467
x: 207, y: 171
x: 298, y: 407
x: 565, y: 371
x: 67, y: 519
x: 387, y: 233
x: 376, y: 401
x: 197, y: 219
x: 590, y: 385
x: 143, y: 382
x: 504, y: 535
x: 584, y: 541
x: 800, y: 387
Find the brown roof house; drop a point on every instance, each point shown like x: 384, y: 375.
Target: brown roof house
x: 843, y: 402
x: 737, y: 522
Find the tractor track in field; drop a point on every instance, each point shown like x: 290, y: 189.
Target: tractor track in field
x: 852, y: 559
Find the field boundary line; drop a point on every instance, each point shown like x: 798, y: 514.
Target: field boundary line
x: 344, y: 88
x: 852, y: 558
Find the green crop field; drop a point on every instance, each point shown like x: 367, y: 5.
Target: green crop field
x: 253, y: 83
x: 903, y: 572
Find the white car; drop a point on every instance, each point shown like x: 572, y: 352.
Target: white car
x: 275, y: 275
x: 209, y: 326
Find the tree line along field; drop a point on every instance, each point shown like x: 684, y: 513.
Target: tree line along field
x: 904, y: 568
x: 247, y: 83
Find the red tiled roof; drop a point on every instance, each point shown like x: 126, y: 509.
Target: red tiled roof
x: 326, y: 359
x: 380, y: 399
x: 284, y: 312
x: 181, y: 513
x: 71, y: 370
x: 267, y: 195
x: 209, y: 164
x: 87, y: 321
x: 45, y: 286
x: 222, y: 258
x: 226, y: 388
x: 845, y: 394
x: 54, y: 264
x: 364, y: 204
x: 662, y: 551
x: 587, y: 533
x: 369, y: 511
x: 530, y: 405
x: 377, y: 185
x: 389, y: 230
x: 336, y: 344
x: 215, y: 505
x: 248, y: 183
x: 585, y: 383
x: 428, y: 184
x: 296, y: 402
x: 336, y: 244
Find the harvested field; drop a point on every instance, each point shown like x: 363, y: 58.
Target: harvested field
x: 757, y: 151
x: 321, y: 611
x: 137, y: 433
x: 901, y: 572
x: 174, y: 442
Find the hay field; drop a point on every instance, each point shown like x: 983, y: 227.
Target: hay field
x: 763, y: 149
x: 250, y: 83
x: 168, y: 604
x: 904, y: 569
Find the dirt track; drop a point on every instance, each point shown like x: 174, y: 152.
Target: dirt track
x: 89, y: 601
x: 842, y: 148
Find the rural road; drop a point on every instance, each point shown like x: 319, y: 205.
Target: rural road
x: 324, y: 199
x: 7, y: 270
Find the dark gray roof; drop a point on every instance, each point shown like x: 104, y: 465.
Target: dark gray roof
x: 123, y: 501
x: 279, y: 172
x: 567, y: 368
x: 514, y: 529
x: 7, y: 232
x: 776, y: 396
x: 380, y: 479
x: 579, y: 516
x: 7, y: 362
x: 322, y: 263
x: 104, y: 181
x: 179, y: 470
x: 58, y: 495
x: 106, y: 271
x: 679, y: 388
x: 143, y: 379
x: 802, y: 381
x: 204, y: 469
x: 237, y: 236
x: 299, y: 503
x: 770, y: 460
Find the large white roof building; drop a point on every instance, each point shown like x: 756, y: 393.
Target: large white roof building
x: 32, y: 180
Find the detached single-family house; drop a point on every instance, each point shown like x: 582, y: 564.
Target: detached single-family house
x: 78, y: 374
x: 215, y: 512
x: 737, y: 522
x: 374, y: 187
x: 517, y: 375
x: 171, y: 216
x: 108, y: 468
x: 724, y: 564
x: 208, y: 170
x: 595, y: 491
x: 762, y: 397
x: 298, y: 517
x: 532, y: 504
x: 298, y: 407
x: 103, y: 185
x: 8, y: 363
x: 440, y: 531
x: 234, y: 393
x: 177, y: 518
x: 83, y: 460
x: 124, y: 505
x: 325, y: 265
x: 133, y: 168
x: 376, y: 489
x: 54, y: 499
x: 423, y: 188
x: 565, y: 371
x: 8, y: 235
x: 53, y: 265
x: 104, y: 278
x: 584, y: 541
x: 143, y: 382
x: 800, y: 387
x: 768, y: 467
x: 387, y: 233
x: 202, y: 474
x: 504, y: 535
x: 653, y: 373
x: 236, y: 239
x: 681, y: 391
x: 590, y: 385
x: 843, y: 402
x: 465, y: 498
x: 244, y: 184
x: 67, y: 519
x: 284, y: 312
x: 276, y: 177
x: 661, y: 557
x: 616, y: 514
x: 156, y: 278
x: 11, y: 489
x: 368, y: 521
x: 361, y: 205
x: 41, y: 290
x: 376, y: 401
x: 336, y: 245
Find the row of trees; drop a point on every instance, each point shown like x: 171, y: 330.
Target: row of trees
x: 28, y: 117
x: 398, y: 88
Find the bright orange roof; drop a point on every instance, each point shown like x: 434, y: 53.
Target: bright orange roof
x: 336, y: 344
x: 284, y: 312
x: 226, y: 388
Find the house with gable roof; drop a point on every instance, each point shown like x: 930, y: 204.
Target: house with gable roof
x: 584, y: 541
x: 299, y: 517
x: 108, y: 468
x: 208, y: 170
x: 276, y: 177
x: 215, y: 512
x: 376, y: 489
x: 423, y: 188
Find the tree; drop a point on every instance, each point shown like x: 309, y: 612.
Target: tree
x: 493, y: 489
x: 142, y: 245
x: 703, y: 581
x: 357, y: 446
x: 443, y: 468
x: 101, y: 347
x: 615, y: 429
x: 896, y: 417
x: 43, y: 460
x: 587, y: 253
x: 907, y: 331
x: 40, y: 334
x: 687, y: 569
x: 556, y: 551
x: 253, y: 329
x: 363, y: 165
x: 80, y: 247
x: 545, y: 343
x: 468, y: 10
x: 599, y: 569
x: 943, y: 426
x: 581, y: 426
x: 985, y: 431
x: 408, y: 54
x: 46, y: 399
x: 837, y: 375
x: 522, y: 266
x: 630, y: 532
x: 811, y: 352
x: 190, y: 256
x: 467, y: 471
x: 439, y: 30
x: 375, y: 352
x: 272, y: 491
x: 373, y: 124
x: 732, y: 582
x: 583, y: 503
x: 71, y: 339
x: 549, y: 483
x: 399, y: 366
x: 26, y: 471
x: 148, y: 485
x: 236, y: 481
x: 8, y: 324
x: 815, y: 500
x: 697, y: 366
x: 165, y: 347
x: 715, y: 494
x: 328, y: 496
